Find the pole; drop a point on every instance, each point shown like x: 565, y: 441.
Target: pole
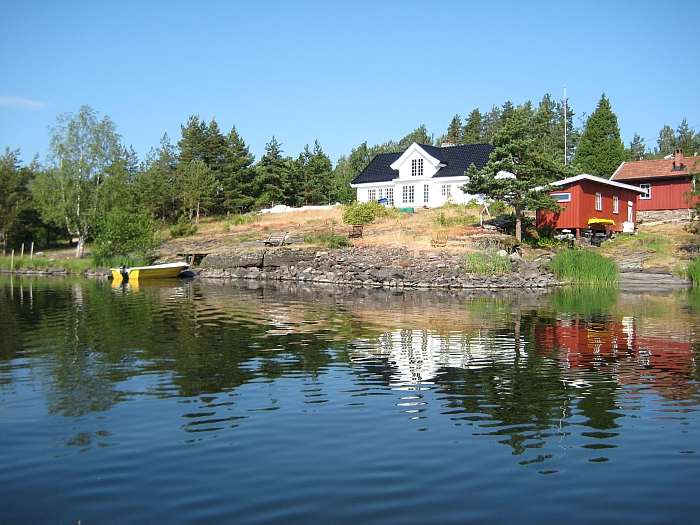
x: 566, y: 121
x: 31, y: 252
x: 12, y: 261
x: 21, y: 256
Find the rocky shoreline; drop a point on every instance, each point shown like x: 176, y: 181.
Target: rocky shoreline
x: 370, y: 267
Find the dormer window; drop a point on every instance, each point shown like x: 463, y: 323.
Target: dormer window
x: 417, y: 167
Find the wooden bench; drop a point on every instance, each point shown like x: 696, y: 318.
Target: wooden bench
x: 355, y: 232
x: 276, y: 239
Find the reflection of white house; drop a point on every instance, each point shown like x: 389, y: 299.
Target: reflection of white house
x: 421, y: 176
x: 418, y: 355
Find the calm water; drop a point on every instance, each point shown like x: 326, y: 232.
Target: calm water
x: 212, y: 403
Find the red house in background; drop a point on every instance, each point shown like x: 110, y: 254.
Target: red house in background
x: 592, y: 202
x: 667, y: 183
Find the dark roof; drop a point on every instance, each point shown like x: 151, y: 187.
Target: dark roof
x: 457, y: 160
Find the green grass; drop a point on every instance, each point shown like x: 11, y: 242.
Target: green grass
x: 241, y: 219
x: 327, y: 239
x: 694, y: 272
x: 584, y: 300
x: 584, y: 267
x: 649, y: 242
x: 484, y: 263
x: 69, y: 265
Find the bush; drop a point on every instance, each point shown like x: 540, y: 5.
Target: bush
x: 241, y: 219
x: 584, y: 267
x: 183, y: 228
x: 484, y: 263
x: 365, y: 212
x: 122, y: 233
x: 694, y: 272
x: 327, y: 239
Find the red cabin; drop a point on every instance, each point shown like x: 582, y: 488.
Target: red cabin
x: 667, y: 183
x: 592, y: 202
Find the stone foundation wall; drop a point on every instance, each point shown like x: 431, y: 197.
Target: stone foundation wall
x: 664, y: 216
x: 388, y: 268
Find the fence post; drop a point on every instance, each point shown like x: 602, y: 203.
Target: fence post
x: 12, y: 261
x: 22, y: 252
x: 31, y: 252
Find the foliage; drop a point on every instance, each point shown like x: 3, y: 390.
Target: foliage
x: 637, y: 148
x: 454, y: 131
x: 516, y: 153
x: 454, y: 215
x: 584, y: 300
x: 123, y: 233
x: 240, y: 219
x: 600, y: 150
x: 327, y: 239
x: 196, y: 183
x: 694, y: 272
x: 643, y: 241
x: 487, y: 263
x: 364, y: 213
x: 585, y: 267
x: 271, y: 176
x: 183, y: 227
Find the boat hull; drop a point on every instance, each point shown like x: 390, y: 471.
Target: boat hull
x: 156, y: 271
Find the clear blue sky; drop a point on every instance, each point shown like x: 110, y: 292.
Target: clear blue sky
x: 340, y: 72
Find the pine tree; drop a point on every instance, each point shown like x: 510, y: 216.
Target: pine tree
x: 237, y: 174
x: 193, y: 143
x: 491, y: 123
x: 666, y: 141
x: 271, y: 176
x: 197, y: 185
x: 637, y: 148
x: 600, y: 150
x: 471, y: 134
x: 454, y: 131
x: 685, y: 138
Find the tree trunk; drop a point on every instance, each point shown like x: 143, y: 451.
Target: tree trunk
x: 519, y: 224
x: 197, y: 219
x: 80, y: 248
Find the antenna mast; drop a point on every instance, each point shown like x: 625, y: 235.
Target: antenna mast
x: 566, y: 120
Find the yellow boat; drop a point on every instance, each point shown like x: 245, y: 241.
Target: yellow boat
x: 155, y: 271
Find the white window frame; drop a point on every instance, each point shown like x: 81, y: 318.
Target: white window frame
x: 371, y: 195
x: 380, y: 194
x: 390, y: 196
x: 416, y: 167
x: 426, y: 193
x: 647, y: 188
x: 616, y: 204
x: 598, y: 201
x: 409, y: 194
x: 446, y: 190
x: 565, y: 194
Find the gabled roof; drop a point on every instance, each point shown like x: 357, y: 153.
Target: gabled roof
x: 456, y: 160
x: 600, y: 180
x: 657, y: 169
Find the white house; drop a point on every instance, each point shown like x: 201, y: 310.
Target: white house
x: 421, y: 176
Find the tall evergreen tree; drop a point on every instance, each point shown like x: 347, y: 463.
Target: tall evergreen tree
x: 666, y: 141
x: 271, y: 175
x: 193, y: 143
x: 454, y: 131
x: 490, y: 123
x: 156, y: 184
x: 197, y: 185
x: 637, y: 148
x: 600, y: 150
x: 471, y: 134
x: 237, y: 174
x: 685, y: 137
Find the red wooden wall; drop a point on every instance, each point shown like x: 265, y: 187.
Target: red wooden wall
x: 667, y: 194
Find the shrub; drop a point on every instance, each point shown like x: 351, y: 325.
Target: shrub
x: 328, y: 239
x: 485, y: 263
x: 183, y: 227
x: 241, y: 219
x: 122, y: 233
x: 365, y: 212
x: 694, y: 272
x: 584, y: 267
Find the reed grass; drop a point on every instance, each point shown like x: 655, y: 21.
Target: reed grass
x: 76, y: 266
x: 486, y: 263
x: 694, y: 272
x: 584, y: 267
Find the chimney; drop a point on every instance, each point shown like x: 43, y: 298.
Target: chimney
x: 446, y: 144
x: 678, y: 159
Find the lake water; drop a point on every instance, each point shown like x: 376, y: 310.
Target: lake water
x: 223, y: 403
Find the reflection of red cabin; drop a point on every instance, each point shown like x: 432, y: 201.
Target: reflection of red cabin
x: 667, y: 183
x: 585, y: 198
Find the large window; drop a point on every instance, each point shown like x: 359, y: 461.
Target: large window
x: 647, y: 189
x: 417, y: 168
x: 561, y: 197
x: 371, y: 195
x: 380, y: 193
x: 446, y: 190
x: 409, y: 194
x: 616, y: 204
x: 390, y: 196
x: 426, y: 193
x: 598, y: 202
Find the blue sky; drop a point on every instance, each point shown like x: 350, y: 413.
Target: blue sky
x: 342, y: 72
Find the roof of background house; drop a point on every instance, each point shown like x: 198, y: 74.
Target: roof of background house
x: 656, y: 169
x: 600, y: 180
x: 457, y: 160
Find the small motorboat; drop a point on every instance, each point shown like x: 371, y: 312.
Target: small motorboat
x: 155, y: 271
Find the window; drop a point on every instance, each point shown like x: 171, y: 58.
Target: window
x: 390, y: 196
x: 647, y: 188
x: 561, y: 197
x: 380, y: 192
x: 409, y: 193
x: 446, y: 190
x: 616, y: 204
x: 426, y: 193
x: 598, y: 202
x: 417, y: 168
x: 371, y: 195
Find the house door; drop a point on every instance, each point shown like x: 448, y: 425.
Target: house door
x: 630, y: 212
